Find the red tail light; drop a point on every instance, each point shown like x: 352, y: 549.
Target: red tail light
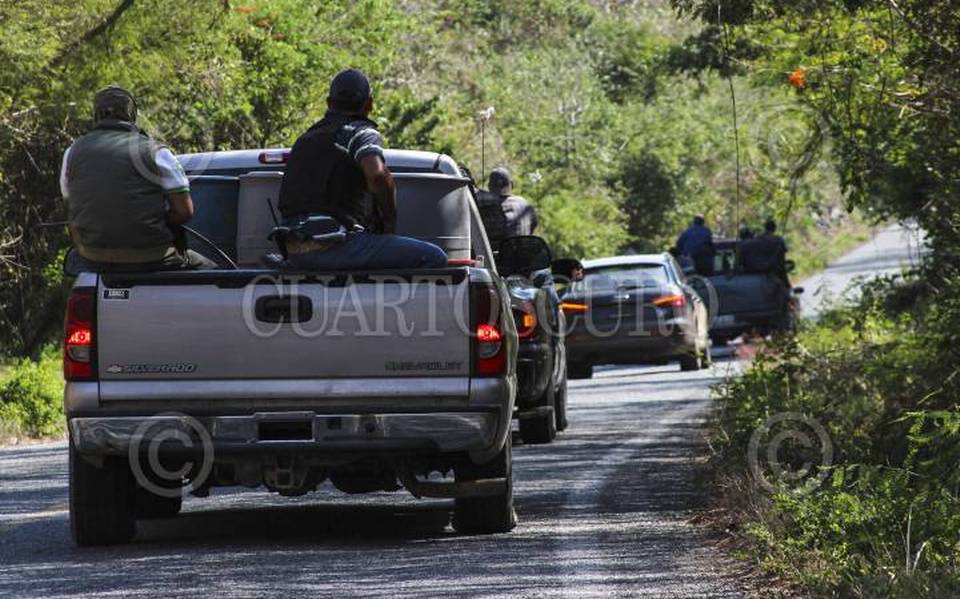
x: 674, y: 300
x: 525, y: 316
x: 79, y: 347
x: 461, y: 262
x: 490, y: 355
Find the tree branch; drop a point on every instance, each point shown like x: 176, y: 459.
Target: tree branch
x: 93, y: 33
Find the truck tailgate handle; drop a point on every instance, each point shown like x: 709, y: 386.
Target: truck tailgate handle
x: 283, y: 309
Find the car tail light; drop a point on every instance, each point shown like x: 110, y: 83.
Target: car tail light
x: 79, y: 343
x: 274, y: 157
x: 674, y: 300
x: 461, y: 262
x: 489, y: 351
x: 570, y: 308
x: 525, y: 316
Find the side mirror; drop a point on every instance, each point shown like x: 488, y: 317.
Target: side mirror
x: 523, y: 255
x: 798, y: 290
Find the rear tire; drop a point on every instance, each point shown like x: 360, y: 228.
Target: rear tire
x: 560, y: 406
x: 543, y: 429
x: 486, y: 515
x: 690, y: 362
x: 580, y: 371
x: 101, y: 501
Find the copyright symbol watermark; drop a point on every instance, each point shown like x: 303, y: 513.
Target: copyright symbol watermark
x: 169, y: 473
x: 790, y: 449
x: 782, y: 134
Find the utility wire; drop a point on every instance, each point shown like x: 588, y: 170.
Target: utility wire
x: 725, y: 53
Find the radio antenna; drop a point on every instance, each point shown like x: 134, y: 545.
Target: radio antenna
x: 273, y: 213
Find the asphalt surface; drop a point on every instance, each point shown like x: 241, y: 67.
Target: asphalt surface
x: 889, y: 252
x: 604, y: 512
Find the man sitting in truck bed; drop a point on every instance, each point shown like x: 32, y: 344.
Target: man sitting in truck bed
x: 127, y: 194
x: 329, y: 170
x: 765, y: 253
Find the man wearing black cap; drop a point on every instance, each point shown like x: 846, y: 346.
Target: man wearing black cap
x: 126, y: 193
x: 329, y: 172
x: 766, y: 253
x: 504, y: 214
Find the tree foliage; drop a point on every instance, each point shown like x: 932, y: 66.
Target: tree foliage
x: 610, y: 130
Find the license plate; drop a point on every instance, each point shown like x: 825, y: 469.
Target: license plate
x: 725, y: 320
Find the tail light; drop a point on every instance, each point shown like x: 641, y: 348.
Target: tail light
x: 490, y: 354
x: 274, y: 157
x: 674, y: 300
x: 79, y: 344
x: 570, y: 308
x: 525, y: 316
x: 461, y: 262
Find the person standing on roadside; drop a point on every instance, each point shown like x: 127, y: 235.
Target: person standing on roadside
x: 696, y: 242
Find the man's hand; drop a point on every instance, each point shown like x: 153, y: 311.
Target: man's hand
x: 381, y: 185
x: 181, y: 208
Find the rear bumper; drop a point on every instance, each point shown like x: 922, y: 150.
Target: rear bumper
x: 474, y: 432
x: 631, y: 347
x: 731, y: 325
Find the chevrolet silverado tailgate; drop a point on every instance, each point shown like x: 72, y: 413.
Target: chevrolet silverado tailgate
x: 242, y: 325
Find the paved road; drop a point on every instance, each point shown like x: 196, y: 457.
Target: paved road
x: 603, y: 512
x: 888, y: 252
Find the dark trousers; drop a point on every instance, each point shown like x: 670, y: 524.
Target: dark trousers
x: 369, y: 251
x: 189, y: 260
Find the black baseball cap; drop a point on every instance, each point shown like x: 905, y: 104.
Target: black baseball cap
x: 500, y: 181
x: 114, y: 102
x: 350, y: 89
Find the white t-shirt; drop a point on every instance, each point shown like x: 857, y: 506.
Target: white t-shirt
x: 171, y: 178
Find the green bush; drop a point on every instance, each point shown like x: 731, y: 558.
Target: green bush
x: 31, y: 397
x: 880, y: 378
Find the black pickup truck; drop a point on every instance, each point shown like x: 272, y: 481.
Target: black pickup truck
x: 542, y: 357
x: 743, y: 302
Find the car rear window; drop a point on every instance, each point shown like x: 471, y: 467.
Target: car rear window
x: 611, y: 278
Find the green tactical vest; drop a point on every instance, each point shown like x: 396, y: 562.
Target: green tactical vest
x: 117, y: 206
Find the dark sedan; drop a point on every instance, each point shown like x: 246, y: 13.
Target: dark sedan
x: 634, y: 310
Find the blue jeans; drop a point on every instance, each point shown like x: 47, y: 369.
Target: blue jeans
x: 369, y: 251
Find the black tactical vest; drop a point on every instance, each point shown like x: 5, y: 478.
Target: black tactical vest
x: 117, y: 205
x: 321, y: 176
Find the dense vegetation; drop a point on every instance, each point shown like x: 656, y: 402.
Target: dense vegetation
x: 870, y: 508
x: 616, y: 117
x: 879, y: 377
x: 599, y: 110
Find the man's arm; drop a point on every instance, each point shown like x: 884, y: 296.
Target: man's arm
x: 176, y: 188
x: 181, y: 208
x: 380, y: 183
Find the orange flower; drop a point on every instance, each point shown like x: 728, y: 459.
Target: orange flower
x: 798, y: 78
x: 246, y: 10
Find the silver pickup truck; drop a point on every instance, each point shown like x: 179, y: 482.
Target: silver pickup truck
x: 255, y: 375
